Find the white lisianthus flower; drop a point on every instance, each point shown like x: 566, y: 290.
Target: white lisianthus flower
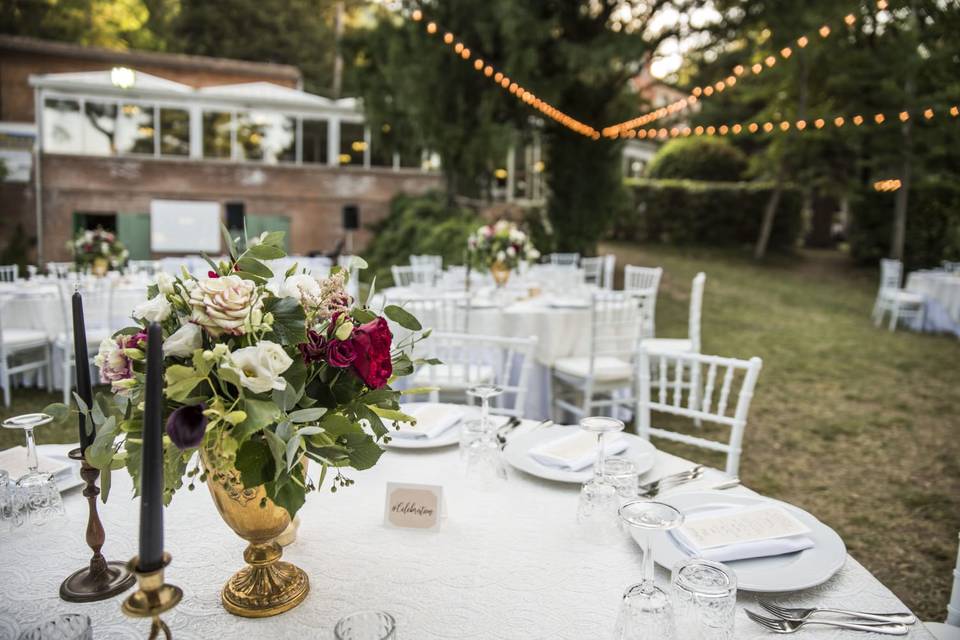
x: 501, y: 256
x: 259, y: 367
x: 165, y: 283
x: 303, y: 287
x: 223, y: 305
x: 183, y: 342
x: 157, y: 309
x: 511, y: 251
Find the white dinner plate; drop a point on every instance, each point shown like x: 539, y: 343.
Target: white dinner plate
x: 774, y: 574
x: 449, y: 437
x: 517, y: 454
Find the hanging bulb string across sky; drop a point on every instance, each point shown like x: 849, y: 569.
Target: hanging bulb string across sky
x: 505, y: 82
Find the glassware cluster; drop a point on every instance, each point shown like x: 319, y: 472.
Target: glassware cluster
x: 35, y: 493
x: 478, y: 443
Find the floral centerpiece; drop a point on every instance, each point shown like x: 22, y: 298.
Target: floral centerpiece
x: 99, y: 251
x: 500, y: 248
x: 260, y: 378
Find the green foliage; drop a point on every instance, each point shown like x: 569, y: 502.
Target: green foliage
x: 711, y: 159
x: 933, y: 225
x: 18, y: 249
x: 417, y: 225
x: 688, y: 212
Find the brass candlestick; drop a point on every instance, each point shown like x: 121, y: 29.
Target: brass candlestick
x: 152, y: 598
x: 102, y: 579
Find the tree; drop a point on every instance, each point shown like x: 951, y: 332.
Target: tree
x: 117, y: 24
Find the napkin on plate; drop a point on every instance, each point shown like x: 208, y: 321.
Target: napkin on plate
x: 432, y: 420
x: 738, y: 533
x: 14, y: 462
x: 577, y: 450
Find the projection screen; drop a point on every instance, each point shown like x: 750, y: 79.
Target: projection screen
x: 185, y: 226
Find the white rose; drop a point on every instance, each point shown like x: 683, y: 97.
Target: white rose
x: 157, y: 309
x: 222, y: 305
x: 259, y: 367
x: 304, y: 288
x: 165, y: 282
x: 501, y: 256
x: 511, y: 251
x: 183, y: 342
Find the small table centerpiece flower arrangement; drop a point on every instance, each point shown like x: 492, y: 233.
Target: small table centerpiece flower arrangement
x: 99, y: 251
x: 259, y: 379
x: 500, y: 248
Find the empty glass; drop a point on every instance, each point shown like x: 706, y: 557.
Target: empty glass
x: 478, y: 443
x: 11, y: 506
x: 622, y: 474
x: 597, y: 509
x: 71, y: 626
x: 704, y: 600
x: 37, y: 489
x: 646, y: 611
x: 366, y: 625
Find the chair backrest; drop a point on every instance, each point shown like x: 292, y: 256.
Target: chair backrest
x: 593, y: 270
x: 953, y: 607
x: 680, y: 378
x: 950, y: 267
x: 891, y: 274
x: 469, y: 360
x: 641, y: 278
x: 9, y: 272
x: 97, y: 304
x: 616, y: 325
x: 421, y: 275
x: 609, y: 270
x: 445, y: 314
x: 564, y: 259
x: 428, y: 259
x: 696, y: 310
x: 146, y: 267
x: 61, y: 269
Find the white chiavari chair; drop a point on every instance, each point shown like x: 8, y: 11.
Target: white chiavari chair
x: 690, y: 344
x: 422, y: 275
x: 899, y: 303
x: 61, y: 270
x: 950, y: 266
x: 97, y: 314
x: 148, y: 268
x: 645, y: 282
x: 949, y: 630
x: 600, y: 378
x: 564, y: 259
x: 428, y: 259
x: 593, y: 269
x: 609, y: 271
x: 31, y: 348
x: 9, y: 272
x: 715, y: 404
x: 446, y: 314
x: 469, y: 360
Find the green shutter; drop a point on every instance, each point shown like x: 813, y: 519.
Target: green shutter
x: 133, y: 230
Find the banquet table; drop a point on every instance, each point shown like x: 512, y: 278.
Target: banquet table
x: 505, y: 565
x: 941, y: 292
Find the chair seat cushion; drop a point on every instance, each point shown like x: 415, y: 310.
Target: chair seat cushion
x: 459, y: 375
x: 23, y: 338
x: 605, y: 368
x: 669, y: 345
x: 902, y: 296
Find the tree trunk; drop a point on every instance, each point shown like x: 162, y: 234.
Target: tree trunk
x: 898, y: 238
x: 769, y: 213
x: 338, y: 53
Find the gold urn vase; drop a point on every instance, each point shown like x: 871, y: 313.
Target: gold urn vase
x: 100, y: 267
x: 267, y: 586
x: 501, y: 273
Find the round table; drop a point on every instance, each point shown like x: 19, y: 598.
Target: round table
x: 941, y: 291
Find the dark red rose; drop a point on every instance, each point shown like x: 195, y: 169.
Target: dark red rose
x: 136, y: 341
x: 371, y: 342
x: 213, y: 274
x: 341, y: 353
x: 315, y: 348
x: 186, y: 426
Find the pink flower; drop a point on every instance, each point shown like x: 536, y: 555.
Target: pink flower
x: 372, y: 344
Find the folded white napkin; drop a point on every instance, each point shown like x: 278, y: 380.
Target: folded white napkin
x: 738, y: 533
x: 564, y: 302
x: 14, y: 462
x: 577, y: 450
x: 432, y: 420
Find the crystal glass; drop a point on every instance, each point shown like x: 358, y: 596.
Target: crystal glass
x: 37, y: 489
x: 622, y: 474
x: 366, y: 625
x: 479, y: 448
x: 474, y: 430
x: 597, y: 509
x: 646, y: 610
x: 71, y: 626
x: 11, y: 506
x: 704, y: 600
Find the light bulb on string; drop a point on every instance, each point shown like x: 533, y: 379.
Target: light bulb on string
x: 818, y: 123
x: 736, y: 129
x: 838, y: 121
x: 802, y: 41
x: 858, y: 120
x: 928, y: 113
x: 786, y: 52
x: 417, y: 15
x: 824, y: 31
x: 447, y: 37
x: 457, y: 48
x: 768, y: 126
x: 879, y: 118
x: 753, y: 127
x: 784, y: 126
x: 954, y: 111
x: 478, y: 64
x: 757, y: 68
x: 801, y: 125
x: 431, y: 28
x: 465, y: 54
x: 698, y: 131
x: 904, y: 116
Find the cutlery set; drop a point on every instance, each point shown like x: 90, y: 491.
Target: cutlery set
x: 791, y: 620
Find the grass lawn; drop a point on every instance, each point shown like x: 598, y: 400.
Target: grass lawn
x: 855, y: 424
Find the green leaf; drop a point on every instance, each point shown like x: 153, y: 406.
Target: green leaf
x: 402, y: 366
x: 296, y: 374
x: 292, y: 270
x: 363, y: 315
x: 105, y: 478
x: 322, y: 394
x: 307, y: 415
x: 255, y: 463
x: 289, y: 320
x: 370, y: 292
x: 379, y: 396
x: 293, y: 449
x: 274, y: 239
x: 286, y: 398
x: 265, y: 251
x: 228, y: 241
x: 287, y: 494
x: 260, y: 414
x: 58, y: 411
x: 277, y: 448
x: 365, y: 455
x: 402, y: 317
x: 336, y: 424
x: 254, y: 266
x: 372, y: 416
x: 100, y: 453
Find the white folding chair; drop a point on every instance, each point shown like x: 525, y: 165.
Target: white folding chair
x: 428, y: 259
x: 600, y: 377
x: 421, y: 275
x: 564, y: 259
x: 899, y: 303
x: 690, y: 344
x: 469, y: 360
x: 61, y: 269
x: 645, y: 281
x: 673, y: 370
x: 9, y: 272
x: 951, y: 629
x: 593, y: 270
x: 30, y: 349
x: 97, y: 314
x: 444, y: 314
x: 145, y: 267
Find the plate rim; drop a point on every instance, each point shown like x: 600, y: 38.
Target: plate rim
x: 430, y: 443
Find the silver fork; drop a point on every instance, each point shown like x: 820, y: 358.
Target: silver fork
x: 802, y: 614
x: 792, y: 626
x: 651, y: 489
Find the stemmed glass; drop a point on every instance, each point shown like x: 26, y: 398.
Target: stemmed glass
x: 597, y: 510
x: 646, y: 611
x: 366, y: 625
x: 70, y: 626
x: 478, y: 444
x: 39, y: 490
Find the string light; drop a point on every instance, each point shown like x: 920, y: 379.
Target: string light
x: 887, y: 185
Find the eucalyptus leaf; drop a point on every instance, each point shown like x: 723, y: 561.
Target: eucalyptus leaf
x: 278, y: 449
x: 287, y: 494
x: 363, y: 315
x: 402, y: 317
x: 105, y: 480
x: 254, y: 266
x: 265, y: 251
x: 228, y: 241
x: 260, y: 414
x: 293, y: 448
x: 307, y: 415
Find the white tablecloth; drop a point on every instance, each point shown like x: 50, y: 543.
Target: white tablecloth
x: 942, y: 293
x: 505, y: 565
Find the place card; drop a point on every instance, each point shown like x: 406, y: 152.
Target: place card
x: 413, y: 506
x: 738, y: 526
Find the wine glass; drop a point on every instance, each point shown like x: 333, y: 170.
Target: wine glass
x: 597, y: 509
x: 11, y: 507
x: 366, y: 625
x: 646, y: 611
x: 478, y: 445
x: 476, y: 429
x: 38, y: 489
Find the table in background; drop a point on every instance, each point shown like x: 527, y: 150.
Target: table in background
x: 941, y: 291
x: 505, y: 565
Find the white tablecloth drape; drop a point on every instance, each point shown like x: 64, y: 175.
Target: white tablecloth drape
x: 941, y: 291
x: 505, y: 565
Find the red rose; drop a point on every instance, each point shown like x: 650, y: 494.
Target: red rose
x: 371, y: 341
x: 341, y: 353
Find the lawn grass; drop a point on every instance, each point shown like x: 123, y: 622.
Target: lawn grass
x: 855, y: 424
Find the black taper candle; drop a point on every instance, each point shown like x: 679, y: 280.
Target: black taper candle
x: 151, y: 474
x: 82, y: 362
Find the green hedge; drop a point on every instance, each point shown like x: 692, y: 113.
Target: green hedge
x: 418, y: 225
x: 709, y: 159
x: 933, y: 225
x: 714, y: 213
